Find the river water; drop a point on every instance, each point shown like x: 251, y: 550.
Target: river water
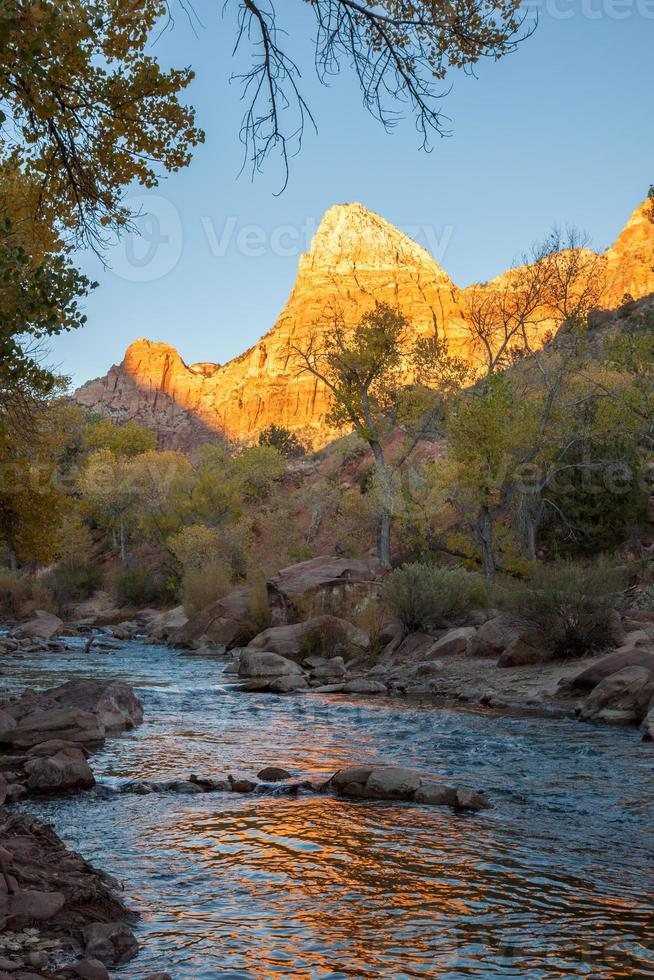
x: 555, y: 881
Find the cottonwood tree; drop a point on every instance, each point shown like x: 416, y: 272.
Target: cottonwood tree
x: 366, y: 369
x: 517, y: 423
x: 86, y: 111
x: 37, y: 301
x: 399, y: 50
x: 558, y: 281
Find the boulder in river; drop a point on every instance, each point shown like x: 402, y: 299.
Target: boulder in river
x: 66, y: 723
x: 288, y: 684
x: 398, y: 783
x: 623, y: 698
x: 273, y: 774
x: 65, y: 770
x: 42, y: 626
x: 263, y: 664
x: 162, y: 625
x: 113, y: 702
x: 112, y: 943
x: 329, y: 634
x: 81, y: 711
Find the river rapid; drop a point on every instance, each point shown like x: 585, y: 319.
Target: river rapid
x: 555, y: 881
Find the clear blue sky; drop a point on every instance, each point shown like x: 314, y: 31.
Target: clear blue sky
x: 560, y: 131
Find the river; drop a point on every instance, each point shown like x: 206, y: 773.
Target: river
x: 554, y: 881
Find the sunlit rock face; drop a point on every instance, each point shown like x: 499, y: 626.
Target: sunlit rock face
x: 630, y: 262
x: 355, y: 259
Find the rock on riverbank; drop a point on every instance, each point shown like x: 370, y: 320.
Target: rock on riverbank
x: 45, y: 737
x: 54, y: 905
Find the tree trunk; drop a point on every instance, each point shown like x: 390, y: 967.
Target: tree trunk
x: 533, y: 515
x: 13, y: 561
x: 385, y: 520
x: 485, y: 530
x: 122, y: 538
x: 384, y: 548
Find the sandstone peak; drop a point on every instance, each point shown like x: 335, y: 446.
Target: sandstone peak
x: 350, y: 236
x: 355, y: 259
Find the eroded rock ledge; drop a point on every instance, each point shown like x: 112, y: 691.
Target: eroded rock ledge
x: 56, y: 907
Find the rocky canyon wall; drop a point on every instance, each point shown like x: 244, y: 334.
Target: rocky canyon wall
x: 355, y: 259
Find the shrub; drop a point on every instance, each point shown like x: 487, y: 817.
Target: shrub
x: 570, y: 606
x: 73, y: 583
x: 202, y: 586
x: 323, y: 639
x: 421, y: 594
x: 260, y: 618
x: 21, y: 594
x: 142, y: 587
x: 284, y: 441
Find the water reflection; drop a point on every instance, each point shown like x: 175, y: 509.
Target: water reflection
x: 554, y: 882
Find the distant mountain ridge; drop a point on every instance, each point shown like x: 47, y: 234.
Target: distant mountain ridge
x: 355, y: 257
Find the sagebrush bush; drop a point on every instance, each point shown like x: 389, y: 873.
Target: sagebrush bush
x: 570, y: 606
x: 420, y: 594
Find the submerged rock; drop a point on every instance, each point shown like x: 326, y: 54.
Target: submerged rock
x: 273, y: 774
